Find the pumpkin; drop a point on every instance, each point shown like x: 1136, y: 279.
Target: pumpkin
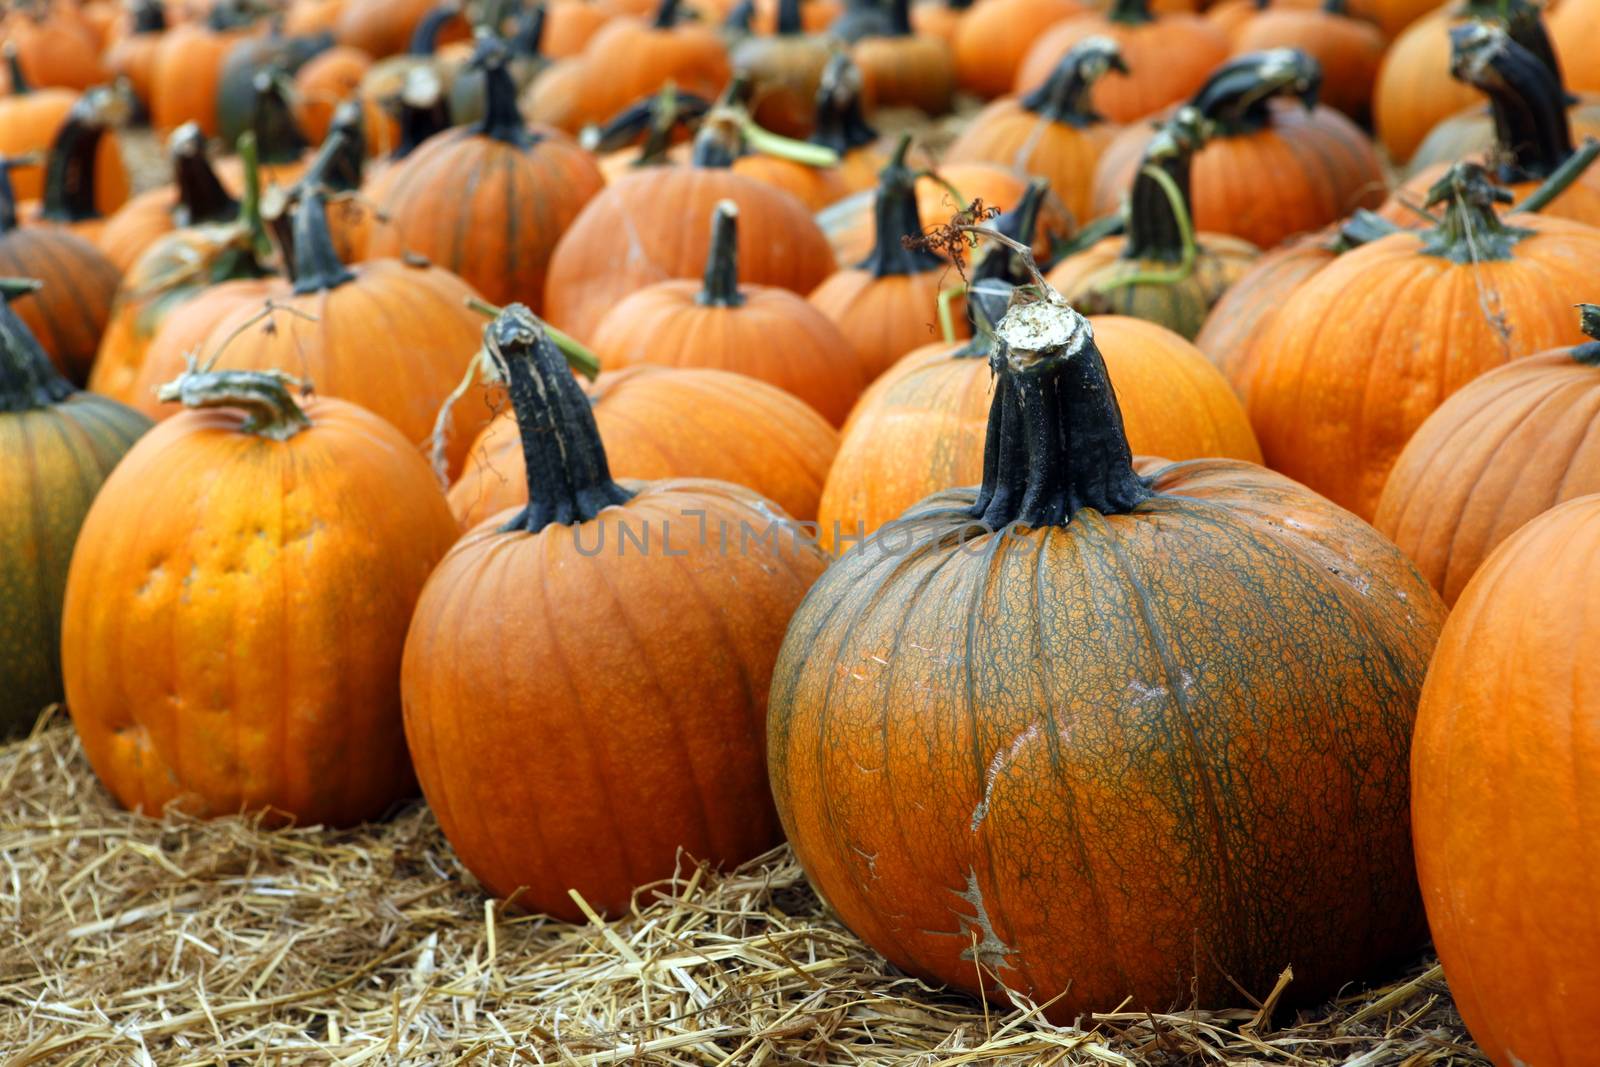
x: 1168, y: 57
x: 841, y: 126
x: 1231, y: 16
x: 329, y: 79
x: 815, y: 15
x: 282, y: 149
x: 420, y: 110
x: 238, y: 94
x: 1502, y: 806
x: 256, y: 559
x: 622, y: 241
x: 195, y: 197
x: 1532, y: 133
x: 468, y: 89
x: 1574, y: 25
x: 940, y: 18
x: 569, y: 24
x: 1150, y: 729
x: 133, y: 55
x: 383, y: 28
x: 1162, y: 271
x: 763, y: 331
x: 34, y: 121
x: 72, y: 183
x: 1367, y: 348
x: 785, y: 72
x: 1415, y: 92
x: 627, y: 59
x: 1511, y: 445
x: 725, y: 139
x: 56, y: 447
x: 489, y: 201
x: 1052, y: 131
x: 1347, y: 50
x: 1275, y: 163
x: 69, y: 311
x: 994, y: 36
x: 673, y: 422
x: 306, y: 17
x: 921, y: 426
x: 54, y: 47
x: 393, y: 336
x: 336, y: 169
x: 903, y: 68
x: 700, y: 630
x: 888, y: 303
x: 187, y: 69
x: 860, y: 18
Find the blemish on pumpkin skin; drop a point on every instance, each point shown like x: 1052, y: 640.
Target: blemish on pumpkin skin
x: 989, y: 949
x: 996, y: 765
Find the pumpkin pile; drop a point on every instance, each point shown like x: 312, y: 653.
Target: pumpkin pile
x: 1024, y: 452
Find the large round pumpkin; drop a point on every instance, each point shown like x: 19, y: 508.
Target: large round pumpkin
x: 1366, y: 349
x: 1275, y: 163
x: 1503, y: 765
x: 1109, y: 740
x: 186, y: 71
x: 394, y: 336
x: 994, y: 36
x: 674, y: 422
x: 237, y: 606
x: 1347, y: 50
x: 1509, y: 446
x: 1168, y: 57
x: 592, y: 653
x: 1162, y: 270
x: 1053, y: 131
x: 763, y: 331
x: 56, y: 446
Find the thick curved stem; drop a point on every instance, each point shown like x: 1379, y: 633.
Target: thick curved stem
x: 19, y: 81
x: 421, y: 110
x: 666, y: 15
x: 28, y: 380
x: 425, y: 38
x: 1526, y: 100
x: 342, y: 157
x: 148, y: 17
x: 569, y: 480
x: 501, y: 119
x: 895, y: 218
x: 1130, y: 12
x: 1159, y: 221
x: 721, y: 286
x: 317, y: 266
x: 264, y: 396
x: 840, y: 123
x: 1235, y: 98
x: 201, y: 196
x: 1064, y: 98
x: 789, y: 21
x: 278, y: 136
x: 998, y: 262
x: 900, y: 18
x: 8, y: 197
x: 1589, y: 322
x: 70, y: 168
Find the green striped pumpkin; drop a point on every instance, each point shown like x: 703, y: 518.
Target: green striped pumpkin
x: 57, y: 444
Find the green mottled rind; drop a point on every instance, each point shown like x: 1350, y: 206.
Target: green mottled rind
x: 52, y: 462
x: 1115, y: 754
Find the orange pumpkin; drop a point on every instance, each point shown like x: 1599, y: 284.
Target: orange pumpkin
x: 673, y: 422
x: 1162, y: 270
x: 700, y: 629
x: 383, y: 28
x: 327, y: 80
x: 69, y: 311
x: 133, y: 54
x: 1366, y: 349
x: 1574, y: 26
x: 237, y: 604
x: 994, y: 36
x: 393, y: 336
x: 195, y: 197
x: 1275, y: 163
x: 187, y: 70
x: 921, y: 426
x: 1503, y: 811
x: 1168, y: 57
x: 54, y: 46
x: 888, y: 304
x: 622, y: 241
x: 1052, y: 131
x: 762, y: 331
x: 903, y: 68
x: 1512, y: 444
x: 1347, y: 50
x: 33, y: 121
x: 449, y: 199
x: 72, y: 183
x: 1532, y: 132
x: 785, y: 70
x: 569, y: 24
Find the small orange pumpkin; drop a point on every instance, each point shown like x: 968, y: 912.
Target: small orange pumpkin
x: 1347, y: 50
x: 994, y: 36
x: 903, y: 68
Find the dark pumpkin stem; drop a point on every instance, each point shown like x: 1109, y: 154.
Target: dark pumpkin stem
x: 654, y: 119
x: 1235, y: 98
x: 1055, y: 444
x: 1064, y: 98
x: 316, y: 266
x: 19, y: 80
x: 1526, y: 100
x: 149, y: 17
x: 425, y: 38
x: 569, y: 480
x: 739, y: 17
x: 264, y: 396
x: 667, y: 13
x: 71, y: 167
x: 900, y: 18
x: 1336, y: 7
x: 841, y: 125
x: 896, y: 219
x: 1589, y: 322
x: 278, y: 137
x: 528, y: 35
x: 721, y: 139
x: 789, y: 21
x: 342, y: 156
x: 721, y: 288
x: 1362, y: 227
x: 958, y: 5
x: 28, y: 380
x: 1130, y: 12
x: 1160, y: 225
x: 1471, y: 230
x: 201, y: 197
x: 501, y: 119
x: 999, y: 262
x: 421, y: 110
x: 8, y: 196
